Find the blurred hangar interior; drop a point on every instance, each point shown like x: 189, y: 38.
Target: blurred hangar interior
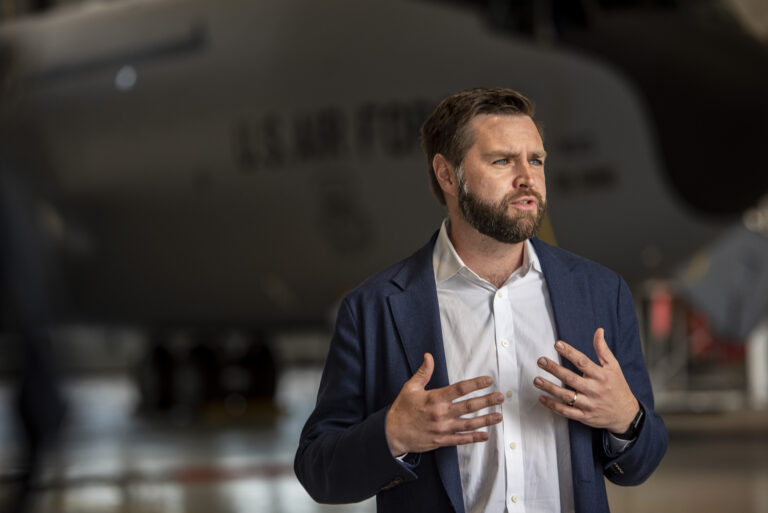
x: 190, y: 187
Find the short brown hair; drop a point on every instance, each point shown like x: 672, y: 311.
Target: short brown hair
x: 445, y: 130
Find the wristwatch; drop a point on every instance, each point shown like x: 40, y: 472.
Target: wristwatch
x: 634, y: 427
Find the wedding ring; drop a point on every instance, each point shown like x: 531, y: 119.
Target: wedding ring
x: 573, y: 401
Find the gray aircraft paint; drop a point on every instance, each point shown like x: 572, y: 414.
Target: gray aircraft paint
x: 262, y: 158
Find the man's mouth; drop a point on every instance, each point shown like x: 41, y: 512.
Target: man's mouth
x: 525, y: 203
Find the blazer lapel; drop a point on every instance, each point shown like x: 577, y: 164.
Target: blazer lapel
x: 569, y: 296
x: 417, y: 318
x: 575, y: 324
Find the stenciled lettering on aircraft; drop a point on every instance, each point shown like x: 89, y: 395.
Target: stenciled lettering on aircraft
x: 273, y: 141
x: 582, y: 168
x: 586, y: 178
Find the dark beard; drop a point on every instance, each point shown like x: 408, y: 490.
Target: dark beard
x: 494, y: 221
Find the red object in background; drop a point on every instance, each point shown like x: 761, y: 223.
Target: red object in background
x: 661, y: 313
x: 707, y: 345
x: 700, y: 339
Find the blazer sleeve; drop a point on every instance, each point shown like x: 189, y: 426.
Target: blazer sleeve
x: 636, y: 464
x: 343, y: 454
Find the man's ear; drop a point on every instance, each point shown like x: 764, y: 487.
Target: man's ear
x: 445, y: 175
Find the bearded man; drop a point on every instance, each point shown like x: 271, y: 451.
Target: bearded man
x: 488, y: 371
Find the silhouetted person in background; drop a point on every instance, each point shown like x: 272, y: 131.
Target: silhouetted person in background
x: 24, y: 324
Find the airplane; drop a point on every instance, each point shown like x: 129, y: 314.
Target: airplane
x: 243, y: 164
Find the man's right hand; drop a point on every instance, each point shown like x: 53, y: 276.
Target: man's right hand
x: 421, y: 420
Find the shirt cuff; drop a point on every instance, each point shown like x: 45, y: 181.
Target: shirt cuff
x: 409, y: 460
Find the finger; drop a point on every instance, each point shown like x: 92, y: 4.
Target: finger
x: 576, y: 357
x: 567, y: 376
x: 473, y: 424
x: 465, y: 387
x: 570, y: 412
x: 424, y: 373
x: 601, y: 347
x: 563, y: 394
x: 475, y: 404
x: 461, y: 438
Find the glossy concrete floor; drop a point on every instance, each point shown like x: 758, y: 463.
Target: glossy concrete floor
x: 111, y: 461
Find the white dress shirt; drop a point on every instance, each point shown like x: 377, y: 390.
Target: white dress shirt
x: 525, y: 466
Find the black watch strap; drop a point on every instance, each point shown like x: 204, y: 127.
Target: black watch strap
x: 634, y: 427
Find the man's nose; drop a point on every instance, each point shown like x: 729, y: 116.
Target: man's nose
x: 524, y: 176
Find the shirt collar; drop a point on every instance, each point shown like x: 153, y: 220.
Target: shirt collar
x: 446, y: 262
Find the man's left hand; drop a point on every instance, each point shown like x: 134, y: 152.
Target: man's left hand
x: 600, y: 398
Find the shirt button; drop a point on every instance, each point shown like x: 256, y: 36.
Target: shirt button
x: 512, y: 445
x: 515, y: 498
x: 509, y: 394
x: 499, y: 294
x: 505, y: 343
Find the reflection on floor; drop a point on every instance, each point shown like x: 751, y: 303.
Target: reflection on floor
x: 112, y: 461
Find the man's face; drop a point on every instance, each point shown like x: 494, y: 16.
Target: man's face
x: 502, y: 193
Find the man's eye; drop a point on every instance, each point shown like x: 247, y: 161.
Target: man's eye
x: 501, y: 162
x: 537, y: 162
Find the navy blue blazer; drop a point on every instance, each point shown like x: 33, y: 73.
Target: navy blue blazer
x: 383, y: 329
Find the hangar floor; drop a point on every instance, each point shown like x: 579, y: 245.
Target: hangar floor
x: 112, y: 461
